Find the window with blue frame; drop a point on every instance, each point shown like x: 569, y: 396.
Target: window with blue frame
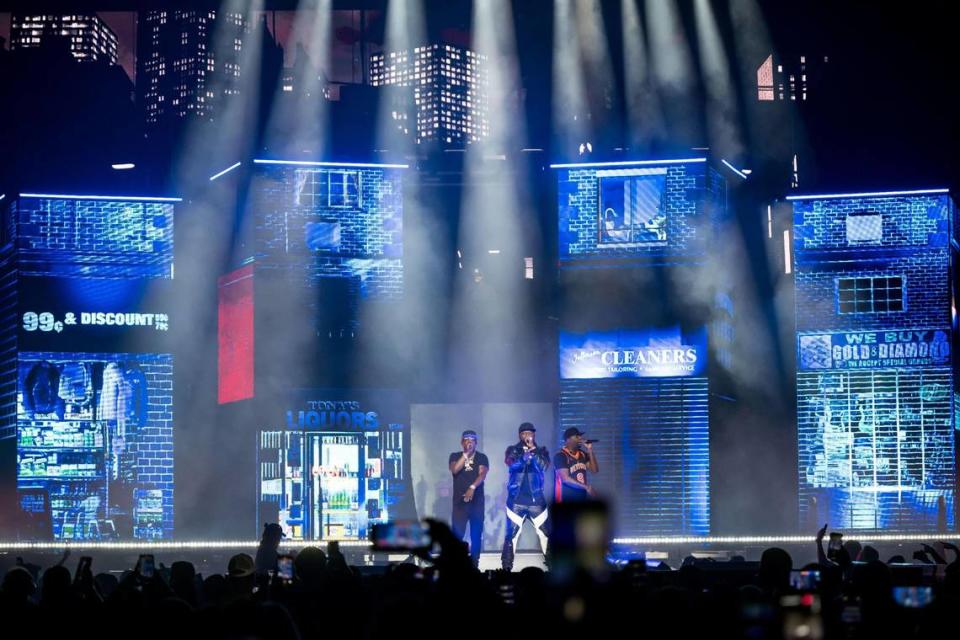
x: 343, y: 189
x: 324, y: 188
x: 877, y: 294
x: 632, y: 210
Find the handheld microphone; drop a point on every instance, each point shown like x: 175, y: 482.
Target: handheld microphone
x: 591, y: 441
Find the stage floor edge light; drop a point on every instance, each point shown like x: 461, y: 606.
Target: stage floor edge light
x: 160, y: 545
x: 787, y: 539
x: 626, y: 163
x: 172, y: 545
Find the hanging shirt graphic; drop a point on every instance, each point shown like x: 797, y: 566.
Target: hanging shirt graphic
x: 76, y: 384
x: 124, y: 396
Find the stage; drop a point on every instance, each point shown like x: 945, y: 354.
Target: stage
x: 296, y: 321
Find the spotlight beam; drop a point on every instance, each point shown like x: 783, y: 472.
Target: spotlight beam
x: 645, y: 119
x: 722, y: 118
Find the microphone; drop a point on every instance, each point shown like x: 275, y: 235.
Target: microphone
x: 591, y: 441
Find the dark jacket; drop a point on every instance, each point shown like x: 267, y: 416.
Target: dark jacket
x: 40, y: 390
x: 535, y: 467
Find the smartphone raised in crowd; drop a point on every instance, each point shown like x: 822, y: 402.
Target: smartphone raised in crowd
x: 285, y: 568
x: 407, y: 535
x: 146, y: 566
x: 913, y: 597
x: 836, y: 543
x: 805, y: 580
x: 580, y: 539
x: 83, y: 567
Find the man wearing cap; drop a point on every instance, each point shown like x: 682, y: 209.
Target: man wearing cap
x: 241, y: 576
x: 527, y: 463
x: 572, y: 463
x: 469, y: 468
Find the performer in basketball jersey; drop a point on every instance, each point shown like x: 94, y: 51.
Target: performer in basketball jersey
x: 572, y: 464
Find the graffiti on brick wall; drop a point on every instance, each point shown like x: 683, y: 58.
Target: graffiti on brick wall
x: 876, y: 447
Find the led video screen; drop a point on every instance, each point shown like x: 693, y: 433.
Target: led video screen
x: 95, y: 445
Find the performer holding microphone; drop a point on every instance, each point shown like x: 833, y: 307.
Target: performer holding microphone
x: 469, y: 468
x: 572, y: 463
x: 525, y: 500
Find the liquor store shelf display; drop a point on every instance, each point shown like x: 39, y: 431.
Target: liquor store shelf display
x: 312, y: 484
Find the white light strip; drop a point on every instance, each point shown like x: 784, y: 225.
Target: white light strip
x: 225, y: 171
x: 769, y: 221
x: 875, y: 194
x: 2, y: 196
x: 165, y: 545
x: 306, y: 163
x: 807, y: 539
x: 734, y: 169
x: 61, y: 196
x: 625, y: 163
x: 169, y: 545
x: 787, y: 258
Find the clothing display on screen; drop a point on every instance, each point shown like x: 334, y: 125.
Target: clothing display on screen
x: 41, y: 390
x: 80, y: 454
x: 124, y: 395
x: 76, y: 383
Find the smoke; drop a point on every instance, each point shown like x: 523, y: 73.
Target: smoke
x: 646, y: 127
x: 299, y: 122
x: 722, y: 118
x: 206, y: 233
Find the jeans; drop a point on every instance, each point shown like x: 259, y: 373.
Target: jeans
x: 469, y: 513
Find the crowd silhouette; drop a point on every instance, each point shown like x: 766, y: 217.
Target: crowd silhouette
x: 849, y: 593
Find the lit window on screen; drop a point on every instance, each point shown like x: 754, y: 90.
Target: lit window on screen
x: 864, y: 228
